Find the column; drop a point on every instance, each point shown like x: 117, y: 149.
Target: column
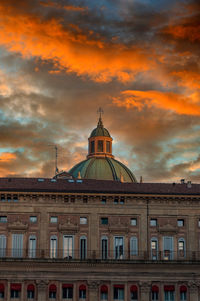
x: 93, y: 290
x: 193, y: 291
x: 145, y: 288
x: 42, y: 290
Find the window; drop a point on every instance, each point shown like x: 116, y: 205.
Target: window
x: 3, y: 219
x: 118, y: 292
x: 104, y: 221
x: 180, y: 222
x: 3, y: 199
x: 82, y: 292
x: 15, y: 289
x: 67, y: 291
x: 92, y: 147
x: 83, y: 247
x: 169, y: 296
x: 154, y: 248
x: 134, y: 293
x: 30, y: 291
x: 53, y: 219
x: 199, y: 222
x: 133, y: 221
x: 100, y: 146
x: 2, y: 245
x: 154, y: 293
x: 116, y: 200
x: 183, y: 293
x: 32, y: 246
x: 17, y: 245
x: 121, y: 200
x: 33, y: 219
x: 168, y: 247
x: 83, y: 220
x: 52, y: 291
x: 53, y: 246
x: 104, y: 292
x: 153, y: 222
x: 2, y: 288
x: 104, y: 247
x: 108, y: 146
x: 103, y: 200
x: 181, y: 247
x: 119, y: 247
x: 68, y: 246
x: 133, y: 246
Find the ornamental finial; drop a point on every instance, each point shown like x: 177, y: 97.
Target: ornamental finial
x: 100, y: 112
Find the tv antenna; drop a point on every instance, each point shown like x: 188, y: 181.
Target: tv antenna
x: 56, y: 157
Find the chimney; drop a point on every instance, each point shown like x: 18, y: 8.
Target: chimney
x: 141, y: 180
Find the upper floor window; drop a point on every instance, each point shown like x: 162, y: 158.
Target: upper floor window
x: 119, y: 247
x: 180, y: 222
x: 53, y: 219
x: 153, y: 222
x: 32, y: 246
x: 133, y: 221
x: 103, y: 200
x: 104, y: 247
x: 83, y: 220
x: 104, y: 221
x: 33, y: 219
x: 108, y: 146
x: 100, y: 146
x: 53, y: 246
x: 154, y: 248
x: 3, y: 219
x: 2, y: 245
x: 134, y: 246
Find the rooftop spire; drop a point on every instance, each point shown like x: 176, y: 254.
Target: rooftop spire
x: 100, y: 112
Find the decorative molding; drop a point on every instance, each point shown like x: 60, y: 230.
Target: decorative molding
x: 17, y: 225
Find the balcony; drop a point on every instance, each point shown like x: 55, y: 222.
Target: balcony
x: 96, y: 255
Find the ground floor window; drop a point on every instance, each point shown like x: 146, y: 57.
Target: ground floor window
x: 118, y: 292
x: 82, y: 292
x: 52, y: 291
x: 104, y: 292
x: 2, y: 288
x: 15, y: 290
x: 67, y: 291
x: 169, y: 292
x: 154, y: 293
x: 134, y: 293
x: 30, y: 291
x: 183, y: 293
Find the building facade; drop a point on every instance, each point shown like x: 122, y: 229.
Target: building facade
x: 75, y: 238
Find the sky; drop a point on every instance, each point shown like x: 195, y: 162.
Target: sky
x: 139, y: 60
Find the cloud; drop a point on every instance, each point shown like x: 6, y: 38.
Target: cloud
x: 164, y: 100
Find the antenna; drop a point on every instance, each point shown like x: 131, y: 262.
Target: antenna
x: 56, y: 157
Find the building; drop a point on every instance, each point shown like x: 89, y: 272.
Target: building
x: 95, y: 233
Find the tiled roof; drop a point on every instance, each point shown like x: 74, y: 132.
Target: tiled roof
x: 95, y: 186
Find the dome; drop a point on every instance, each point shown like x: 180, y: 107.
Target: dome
x: 100, y: 130
x: 102, y: 168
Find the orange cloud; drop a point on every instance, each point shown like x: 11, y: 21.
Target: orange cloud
x: 188, y: 31
x: 164, y: 100
x: 59, y: 6
x: 6, y: 157
x: 69, y: 48
x: 187, y: 78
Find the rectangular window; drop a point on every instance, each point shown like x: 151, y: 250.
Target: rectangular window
x: 103, y: 200
x: 33, y: 219
x: 134, y: 246
x: 32, y: 247
x: 14, y: 294
x: 154, y: 296
x: 100, y: 146
x: 67, y: 292
x: 83, y: 220
x: 153, y: 222
x: 104, y: 248
x: 180, y: 222
x: 3, y: 219
x: 168, y: 247
x: 68, y: 246
x: 116, y: 200
x: 83, y: 248
x: 118, y: 293
x: 133, y: 221
x: 53, y: 247
x: 2, y: 245
x: 154, y: 249
x: 30, y: 294
x: 183, y: 296
x: 181, y: 245
x: 17, y: 245
x: 104, y: 221
x: 92, y: 147
x: 169, y: 295
x: 108, y: 147
x: 53, y: 219
x: 119, y: 247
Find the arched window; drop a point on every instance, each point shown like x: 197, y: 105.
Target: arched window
x: 181, y: 247
x: 53, y: 246
x: 154, y: 293
x: 104, y: 292
x: 134, y: 293
x: 83, y: 247
x: 32, y: 246
x: 2, y: 245
x: 169, y: 292
x: 82, y: 291
x: 2, y: 289
x: 134, y: 246
x: 183, y: 293
x: 104, y: 247
x: 154, y: 248
x: 30, y: 291
x: 52, y: 291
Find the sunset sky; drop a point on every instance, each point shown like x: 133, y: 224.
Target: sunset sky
x: 139, y: 60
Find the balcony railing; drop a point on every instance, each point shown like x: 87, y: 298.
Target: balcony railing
x: 112, y: 255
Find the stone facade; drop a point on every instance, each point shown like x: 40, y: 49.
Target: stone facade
x: 117, y: 243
